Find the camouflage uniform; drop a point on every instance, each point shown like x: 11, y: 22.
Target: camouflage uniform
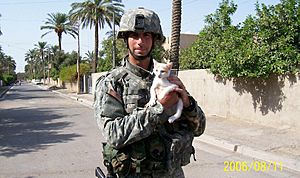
x: 140, y: 141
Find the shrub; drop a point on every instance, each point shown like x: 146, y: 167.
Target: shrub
x: 70, y: 73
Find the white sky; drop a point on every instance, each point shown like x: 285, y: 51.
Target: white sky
x: 21, y: 21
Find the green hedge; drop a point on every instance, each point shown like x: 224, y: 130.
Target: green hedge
x: 69, y: 73
x: 8, y: 78
x: 264, y: 44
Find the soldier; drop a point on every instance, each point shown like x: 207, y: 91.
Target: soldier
x: 140, y: 142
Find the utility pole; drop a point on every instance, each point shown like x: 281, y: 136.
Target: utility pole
x: 78, y: 60
x: 44, y: 73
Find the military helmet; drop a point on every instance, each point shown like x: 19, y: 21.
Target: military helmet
x: 140, y: 20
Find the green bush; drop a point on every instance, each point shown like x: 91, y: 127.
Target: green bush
x: 70, y: 73
x: 265, y: 44
x: 8, y: 78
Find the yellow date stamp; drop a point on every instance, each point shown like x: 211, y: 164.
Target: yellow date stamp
x: 257, y: 166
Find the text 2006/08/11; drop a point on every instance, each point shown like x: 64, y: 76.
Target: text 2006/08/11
x: 257, y: 166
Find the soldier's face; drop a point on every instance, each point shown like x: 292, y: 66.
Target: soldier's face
x: 140, y: 43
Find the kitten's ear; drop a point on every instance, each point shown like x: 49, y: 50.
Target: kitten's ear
x: 170, y: 65
x: 165, y: 60
x: 155, y: 62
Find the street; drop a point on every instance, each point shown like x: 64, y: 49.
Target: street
x: 45, y: 135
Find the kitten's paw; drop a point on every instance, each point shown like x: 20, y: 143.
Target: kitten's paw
x: 172, y: 119
x: 151, y: 103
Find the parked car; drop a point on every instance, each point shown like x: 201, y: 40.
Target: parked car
x: 37, y: 82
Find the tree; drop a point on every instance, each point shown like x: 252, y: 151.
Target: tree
x: 69, y: 73
x: 41, y: 47
x: 7, y: 68
x: 59, y: 23
x: 54, y: 59
x: 0, y: 28
x: 96, y: 13
x: 264, y: 44
x: 76, y: 23
x: 175, y: 37
x: 30, y: 58
x: 1, y: 61
x: 105, y: 61
x: 7, y: 64
x: 88, y: 57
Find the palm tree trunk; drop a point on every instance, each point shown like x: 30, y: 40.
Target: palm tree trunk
x: 59, y: 40
x: 175, y: 37
x: 94, y: 67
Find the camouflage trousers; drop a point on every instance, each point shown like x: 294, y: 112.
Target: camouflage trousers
x: 176, y: 173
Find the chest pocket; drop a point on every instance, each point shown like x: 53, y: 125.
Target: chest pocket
x: 136, y: 93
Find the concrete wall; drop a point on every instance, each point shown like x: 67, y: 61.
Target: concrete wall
x: 95, y: 76
x: 70, y: 86
x: 274, y: 102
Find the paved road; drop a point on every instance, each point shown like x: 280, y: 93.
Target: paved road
x: 45, y: 135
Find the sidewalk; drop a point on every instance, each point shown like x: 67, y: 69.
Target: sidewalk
x: 260, y: 142
x: 277, y: 145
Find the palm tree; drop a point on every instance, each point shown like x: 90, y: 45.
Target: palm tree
x: 42, y: 46
x: 89, y: 56
x: 32, y: 58
x: 9, y: 64
x: 96, y: 13
x: 0, y: 28
x: 59, y: 23
x: 175, y: 37
x: 76, y: 24
x: 1, y: 61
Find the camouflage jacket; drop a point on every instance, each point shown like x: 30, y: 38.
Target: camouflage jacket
x: 121, y: 114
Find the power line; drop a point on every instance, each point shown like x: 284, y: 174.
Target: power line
x: 32, y: 2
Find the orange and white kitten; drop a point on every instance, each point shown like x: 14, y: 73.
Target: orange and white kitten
x: 160, y: 82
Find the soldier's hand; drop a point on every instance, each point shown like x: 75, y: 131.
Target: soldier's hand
x: 180, y: 90
x: 169, y: 100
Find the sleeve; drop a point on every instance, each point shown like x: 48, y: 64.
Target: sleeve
x: 196, y: 117
x: 120, y: 128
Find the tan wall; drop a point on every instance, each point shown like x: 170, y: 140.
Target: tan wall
x: 95, y: 76
x: 274, y: 102
x: 59, y: 83
x: 70, y: 86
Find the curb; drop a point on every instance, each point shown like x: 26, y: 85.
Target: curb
x: 287, y: 162
x: 76, y: 98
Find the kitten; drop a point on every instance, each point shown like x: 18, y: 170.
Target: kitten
x: 160, y: 82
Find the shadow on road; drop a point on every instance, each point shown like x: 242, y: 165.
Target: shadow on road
x: 21, y: 93
x: 24, y: 130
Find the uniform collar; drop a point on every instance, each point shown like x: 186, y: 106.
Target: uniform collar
x: 138, y: 70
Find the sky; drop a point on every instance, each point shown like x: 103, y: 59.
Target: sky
x: 21, y: 21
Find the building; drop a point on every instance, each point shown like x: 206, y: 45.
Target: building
x: 186, y: 40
